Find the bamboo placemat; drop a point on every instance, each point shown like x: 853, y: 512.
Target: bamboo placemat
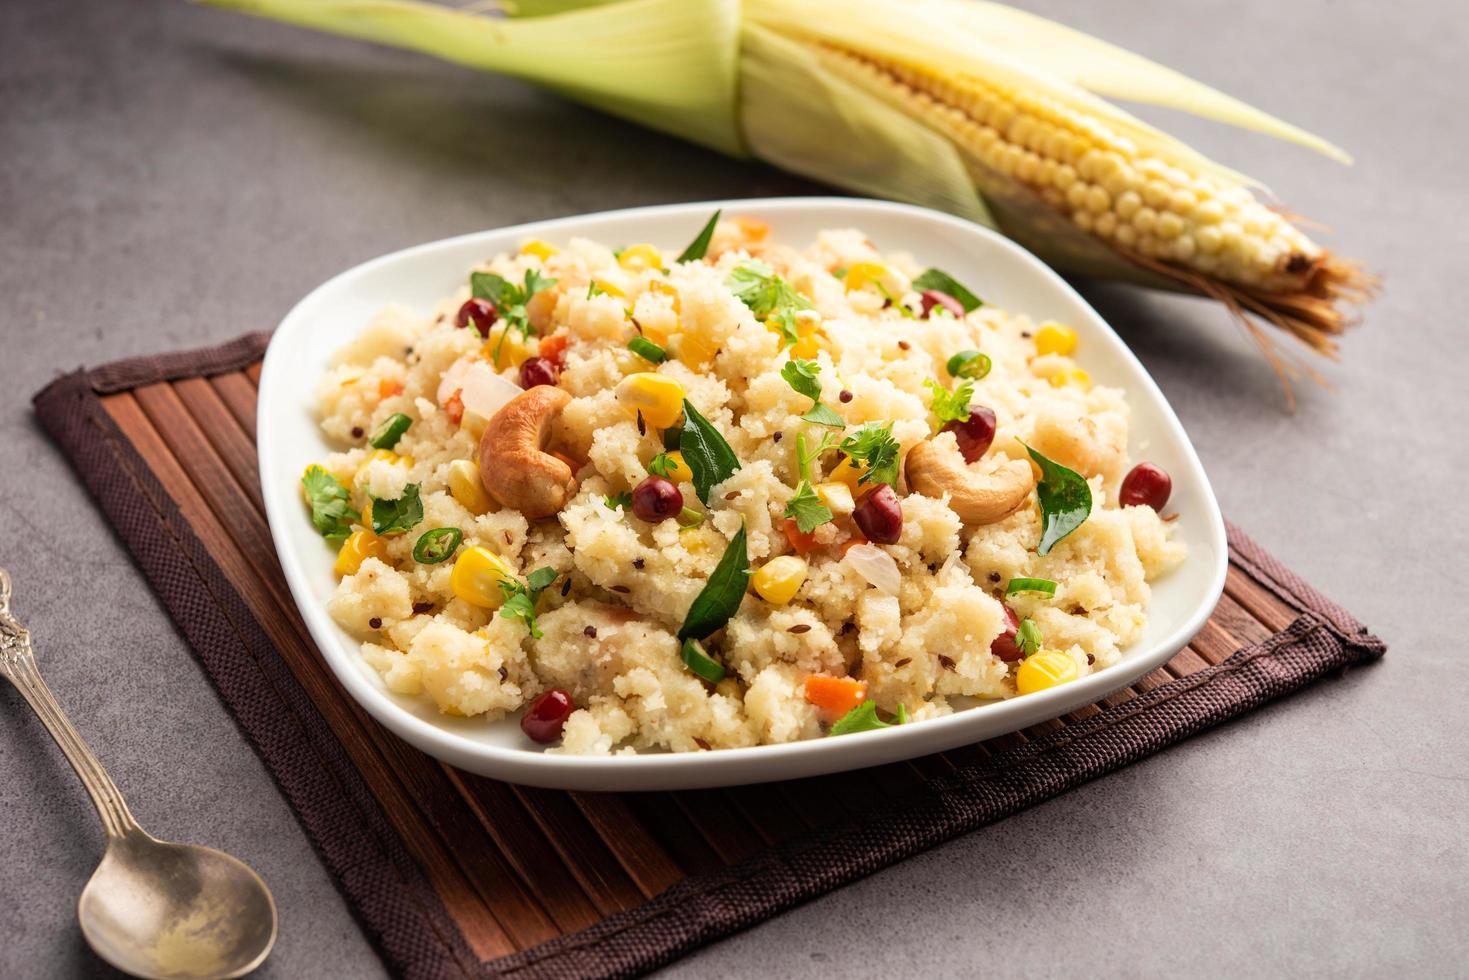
x: 456, y: 875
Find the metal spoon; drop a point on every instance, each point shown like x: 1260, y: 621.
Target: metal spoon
x: 152, y: 909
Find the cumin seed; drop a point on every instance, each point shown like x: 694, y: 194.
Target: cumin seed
x: 800, y: 628
x: 621, y: 588
x: 946, y: 662
x: 903, y: 663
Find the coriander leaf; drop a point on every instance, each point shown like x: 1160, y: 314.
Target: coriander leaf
x: 495, y: 288
x: 863, y: 718
x: 951, y: 406
x: 764, y: 292
x: 400, y: 514
x: 534, y: 283
x: 824, y: 415
x: 1065, y: 499
x: 510, y: 300
x: 705, y: 452
x: 1028, y: 637
x: 623, y: 500
x: 873, y: 445
x: 802, y: 377
x: 807, y: 509
x: 804, y: 459
x: 785, y: 320
x: 700, y: 245
x: 945, y: 283
x: 721, y: 596
x: 520, y: 600
x: 331, y: 505
x: 661, y: 465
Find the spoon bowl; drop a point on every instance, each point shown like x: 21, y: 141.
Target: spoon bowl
x: 155, y: 909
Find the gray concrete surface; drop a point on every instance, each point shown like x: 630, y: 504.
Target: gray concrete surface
x: 172, y: 176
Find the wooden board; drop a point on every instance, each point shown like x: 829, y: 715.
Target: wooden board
x: 515, y: 867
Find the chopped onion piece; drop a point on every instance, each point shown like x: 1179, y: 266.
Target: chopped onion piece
x: 876, y: 566
x: 481, y: 390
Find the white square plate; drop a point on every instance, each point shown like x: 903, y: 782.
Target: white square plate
x: 1002, y: 272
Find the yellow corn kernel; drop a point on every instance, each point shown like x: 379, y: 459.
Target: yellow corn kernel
x: 386, y: 455
x: 1072, y: 377
x: 806, y: 347
x: 636, y: 258
x: 465, y: 487
x: 513, y: 351
x: 610, y: 288
x: 664, y: 289
x: 658, y: 398
x: 694, y: 350
x: 864, y: 274
x: 1055, y: 338
x: 779, y: 579
x: 477, y: 575
x: 752, y: 229
x: 678, y: 470
x: 848, y: 472
x: 838, y: 497
x: 1044, y: 669
x: 359, y: 546
x: 541, y: 250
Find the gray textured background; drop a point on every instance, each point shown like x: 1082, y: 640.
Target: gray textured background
x: 172, y: 176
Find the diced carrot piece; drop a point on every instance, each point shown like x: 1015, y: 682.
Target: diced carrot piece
x: 454, y: 407
x: 553, y: 348
x: 802, y: 542
x: 387, y: 388
x: 835, y: 696
x: 752, y: 228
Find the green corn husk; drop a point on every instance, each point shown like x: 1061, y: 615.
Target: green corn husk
x: 924, y: 100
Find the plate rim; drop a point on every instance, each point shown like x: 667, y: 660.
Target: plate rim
x: 720, y: 768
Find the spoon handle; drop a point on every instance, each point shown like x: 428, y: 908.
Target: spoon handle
x: 18, y: 665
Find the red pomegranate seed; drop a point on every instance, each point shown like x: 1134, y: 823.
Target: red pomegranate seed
x: 547, y: 715
x: 1146, y: 485
x: 479, y: 311
x: 538, y: 371
x: 880, y: 516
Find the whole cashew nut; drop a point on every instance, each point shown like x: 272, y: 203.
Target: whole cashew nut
x: 513, y: 463
x: 976, y: 498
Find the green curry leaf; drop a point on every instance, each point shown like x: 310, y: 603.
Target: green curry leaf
x: 1065, y: 499
x: 721, y: 596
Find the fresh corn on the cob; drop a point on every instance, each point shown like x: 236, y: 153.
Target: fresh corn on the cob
x: 969, y: 106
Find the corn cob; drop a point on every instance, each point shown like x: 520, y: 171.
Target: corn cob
x: 1201, y: 229
x: 967, y: 106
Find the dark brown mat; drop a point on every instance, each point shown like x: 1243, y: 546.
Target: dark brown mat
x: 455, y: 875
